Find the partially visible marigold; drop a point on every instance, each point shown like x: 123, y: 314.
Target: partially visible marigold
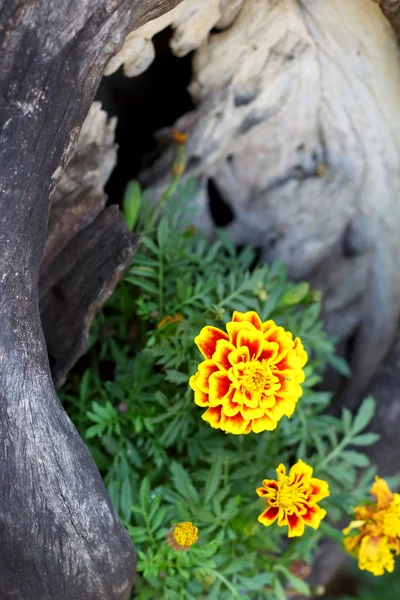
x: 251, y: 376
x: 300, y: 568
x: 374, y: 536
x: 179, y: 137
x: 182, y: 536
x: 168, y: 320
x: 293, y: 498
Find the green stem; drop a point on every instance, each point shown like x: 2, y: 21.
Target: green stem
x: 323, y: 463
x: 227, y: 584
x: 161, y: 284
x: 148, y: 528
x: 170, y: 191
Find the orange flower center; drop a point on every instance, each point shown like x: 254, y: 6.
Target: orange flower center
x: 253, y: 376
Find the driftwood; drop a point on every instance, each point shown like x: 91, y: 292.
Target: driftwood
x: 391, y: 10
x: 87, y: 247
x: 59, y: 534
x: 296, y: 104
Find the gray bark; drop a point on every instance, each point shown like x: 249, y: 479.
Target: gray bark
x: 60, y: 537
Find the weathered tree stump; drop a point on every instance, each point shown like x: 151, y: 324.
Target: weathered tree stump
x: 88, y: 246
x: 60, y: 537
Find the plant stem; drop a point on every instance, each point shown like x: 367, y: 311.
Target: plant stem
x: 323, y: 463
x: 161, y: 284
x: 227, y: 584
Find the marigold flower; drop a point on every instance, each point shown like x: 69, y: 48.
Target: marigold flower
x: 293, y: 499
x: 168, y: 320
x: 375, y: 555
x: 182, y: 536
x: 251, y: 376
x: 179, y: 137
x: 374, y: 536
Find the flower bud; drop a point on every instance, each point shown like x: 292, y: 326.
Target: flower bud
x: 205, y: 576
x: 182, y: 536
x: 300, y: 568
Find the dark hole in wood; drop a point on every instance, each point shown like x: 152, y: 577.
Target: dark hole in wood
x: 144, y: 104
x: 192, y: 163
x: 221, y: 212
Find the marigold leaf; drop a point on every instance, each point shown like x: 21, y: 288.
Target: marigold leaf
x: 126, y: 499
x: 148, y: 242
x: 279, y: 590
x: 364, y: 415
x: 215, y: 593
x: 213, y: 480
x: 355, y: 458
x: 138, y: 534
x: 175, y: 376
x: 114, y: 494
x: 144, y: 494
x: 347, y: 418
x: 142, y: 283
x: 338, y: 363
x: 183, y: 483
x: 297, y: 584
x: 131, y: 203
x: 295, y: 295
x: 84, y: 386
x: 365, y: 439
x: 257, y: 582
x: 94, y: 430
x: 158, y: 518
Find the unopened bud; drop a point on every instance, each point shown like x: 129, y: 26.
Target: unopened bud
x: 132, y: 203
x: 123, y: 408
x: 319, y: 590
x: 205, y: 576
x: 300, y: 568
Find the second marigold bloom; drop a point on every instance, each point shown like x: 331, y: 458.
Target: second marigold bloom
x: 292, y: 499
x: 251, y: 376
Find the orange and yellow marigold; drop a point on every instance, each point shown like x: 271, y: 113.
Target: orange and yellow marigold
x: 292, y: 499
x: 374, y: 536
x: 251, y: 375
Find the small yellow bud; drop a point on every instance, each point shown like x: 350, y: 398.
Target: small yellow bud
x: 182, y: 536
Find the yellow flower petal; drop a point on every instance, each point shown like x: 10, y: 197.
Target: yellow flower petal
x: 382, y: 493
x: 213, y: 416
x: 221, y: 355
x: 375, y: 555
x: 207, y: 340
x: 236, y: 425
x: 219, y: 387
x: 253, y: 340
x: 264, y: 423
x: 251, y: 317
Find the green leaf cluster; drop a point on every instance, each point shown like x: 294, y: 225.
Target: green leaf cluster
x: 161, y: 463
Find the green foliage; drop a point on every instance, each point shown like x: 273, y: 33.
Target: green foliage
x: 160, y: 461
x: 370, y: 587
